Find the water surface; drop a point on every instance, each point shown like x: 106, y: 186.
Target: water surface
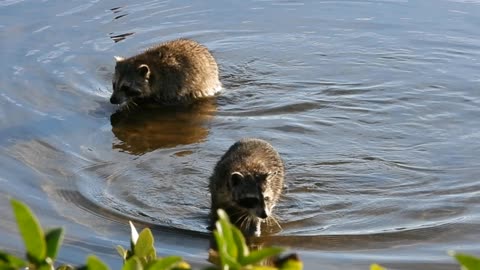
x: 373, y: 105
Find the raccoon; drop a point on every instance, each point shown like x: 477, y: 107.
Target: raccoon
x: 177, y: 71
x: 247, y: 183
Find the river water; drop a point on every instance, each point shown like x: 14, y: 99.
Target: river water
x: 373, y: 105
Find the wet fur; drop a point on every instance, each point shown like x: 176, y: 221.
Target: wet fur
x: 261, y: 173
x: 177, y: 71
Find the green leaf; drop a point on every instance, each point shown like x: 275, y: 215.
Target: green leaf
x: 376, y: 267
x: 289, y: 262
x: 264, y: 268
x: 11, y: 261
x: 166, y: 263
x: 94, y: 263
x: 231, y: 262
x: 261, y: 254
x: 292, y: 265
x: 144, y: 247
x: 132, y: 264
x: 468, y: 262
x: 224, y: 227
x: 123, y: 252
x: 45, y: 267
x: 225, y: 258
x: 240, y: 243
x: 222, y: 249
x: 54, y: 239
x: 30, y: 230
x: 182, y: 266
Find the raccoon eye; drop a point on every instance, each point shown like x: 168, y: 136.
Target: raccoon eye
x: 267, y: 198
x: 113, y: 85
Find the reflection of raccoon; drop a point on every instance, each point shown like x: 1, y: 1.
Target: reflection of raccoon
x: 172, y: 72
x: 247, y: 183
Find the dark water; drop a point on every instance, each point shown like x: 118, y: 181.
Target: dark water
x: 374, y: 106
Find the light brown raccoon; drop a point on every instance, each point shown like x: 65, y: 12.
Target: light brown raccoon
x: 176, y: 71
x: 247, y: 183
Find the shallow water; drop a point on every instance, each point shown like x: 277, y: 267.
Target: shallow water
x: 373, y: 105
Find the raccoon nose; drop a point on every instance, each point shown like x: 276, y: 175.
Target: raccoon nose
x: 263, y: 214
x: 114, y: 100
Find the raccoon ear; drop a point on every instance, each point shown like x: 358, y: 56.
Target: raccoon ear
x: 118, y: 58
x: 144, y: 71
x: 236, y: 178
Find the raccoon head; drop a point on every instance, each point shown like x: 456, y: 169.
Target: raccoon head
x: 252, y: 193
x: 131, y: 81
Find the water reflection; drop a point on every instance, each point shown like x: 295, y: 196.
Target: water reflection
x: 141, y: 130
x: 371, y: 110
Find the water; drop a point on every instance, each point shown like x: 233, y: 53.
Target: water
x: 373, y: 105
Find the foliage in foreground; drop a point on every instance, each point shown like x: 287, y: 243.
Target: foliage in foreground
x: 233, y: 253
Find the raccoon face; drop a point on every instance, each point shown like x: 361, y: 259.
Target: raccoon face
x: 252, y: 193
x: 130, y: 81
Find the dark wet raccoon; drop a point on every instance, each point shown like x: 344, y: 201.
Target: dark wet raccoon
x: 247, y: 183
x: 176, y: 71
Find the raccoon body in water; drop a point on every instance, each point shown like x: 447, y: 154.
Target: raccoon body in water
x: 247, y: 183
x: 176, y: 71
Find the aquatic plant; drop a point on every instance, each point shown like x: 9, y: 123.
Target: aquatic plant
x: 233, y: 253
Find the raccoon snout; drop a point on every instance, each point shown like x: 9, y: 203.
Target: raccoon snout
x: 117, y: 99
x: 261, y: 213
x: 114, y: 100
